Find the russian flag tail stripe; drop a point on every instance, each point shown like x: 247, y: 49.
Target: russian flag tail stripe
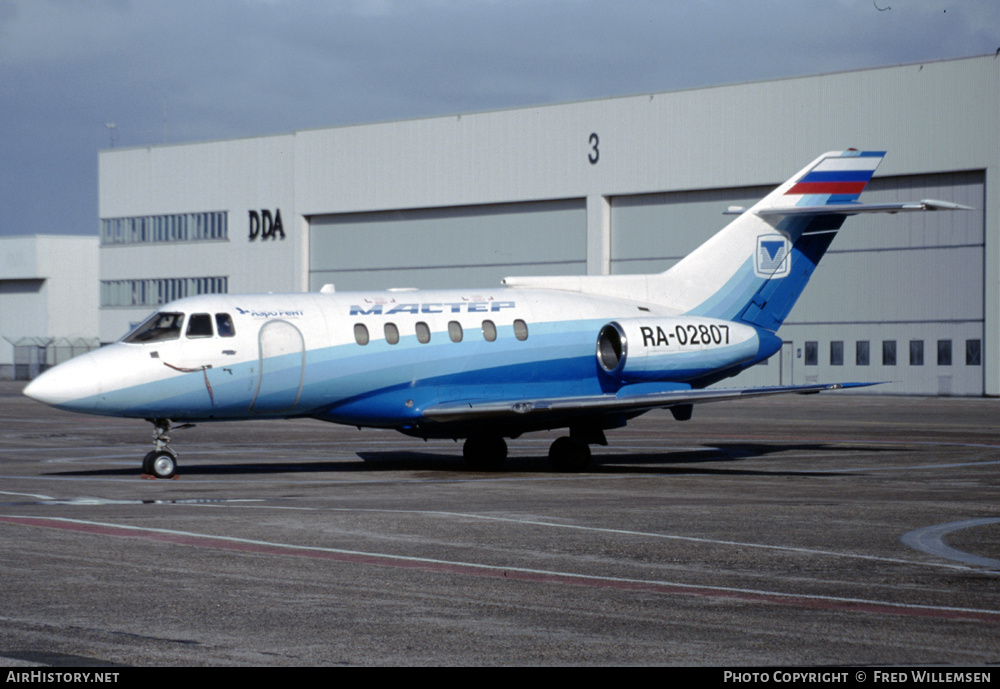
x: 840, y: 177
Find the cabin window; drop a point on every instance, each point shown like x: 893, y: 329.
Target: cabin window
x: 489, y: 331
x: 455, y: 331
x: 520, y: 330
x: 224, y: 325
x: 423, y: 333
x: 200, y: 325
x: 391, y: 333
x: 361, y: 333
x: 157, y: 328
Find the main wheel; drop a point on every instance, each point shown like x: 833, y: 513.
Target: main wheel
x: 161, y: 464
x: 485, y: 452
x: 567, y: 454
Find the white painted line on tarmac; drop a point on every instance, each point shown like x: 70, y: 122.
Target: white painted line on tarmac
x: 930, y: 540
x: 512, y: 573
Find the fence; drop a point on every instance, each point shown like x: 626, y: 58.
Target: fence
x: 33, y: 355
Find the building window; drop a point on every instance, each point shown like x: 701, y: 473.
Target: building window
x: 888, y: 352
x: 154, y: 229
x: 916, y: 352
x: 944, y: 352
x: 861, y: 353
x: 153, y: 292
x: 837, y: 353
x: 812, y: 353
x: 973, y: 349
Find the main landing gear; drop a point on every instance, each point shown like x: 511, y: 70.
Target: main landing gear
x: 569, y: 453
x: 162, y: 461
x: 485, y: 452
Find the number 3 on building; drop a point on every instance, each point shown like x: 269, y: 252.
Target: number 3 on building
x: 594, y: 154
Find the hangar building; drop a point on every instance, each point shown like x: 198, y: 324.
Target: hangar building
x: 48, y: 302
x: 619, y: 185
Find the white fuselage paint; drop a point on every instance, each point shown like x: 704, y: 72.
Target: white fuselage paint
x: 300, y: 354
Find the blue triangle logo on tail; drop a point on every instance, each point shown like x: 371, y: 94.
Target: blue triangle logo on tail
x: 772, y: 259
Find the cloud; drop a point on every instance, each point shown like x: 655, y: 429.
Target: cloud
x: 193, y: 70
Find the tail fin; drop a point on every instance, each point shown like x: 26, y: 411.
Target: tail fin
x: 755, y: 268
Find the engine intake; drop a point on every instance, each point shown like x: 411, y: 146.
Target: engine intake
x: 673, y: 348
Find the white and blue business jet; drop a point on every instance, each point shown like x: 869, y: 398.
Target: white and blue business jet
x: 584, y: 353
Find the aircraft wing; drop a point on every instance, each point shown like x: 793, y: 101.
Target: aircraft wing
x: 470, y: 410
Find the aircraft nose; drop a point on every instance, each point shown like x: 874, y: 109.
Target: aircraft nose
x: 67, y: 383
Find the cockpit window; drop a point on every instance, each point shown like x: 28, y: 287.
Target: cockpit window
x: 157, y: 328
x: 224, y: 324
x: 200, y: 325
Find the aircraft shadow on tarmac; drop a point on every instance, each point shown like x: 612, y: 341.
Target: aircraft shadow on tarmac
x: 684, y: 461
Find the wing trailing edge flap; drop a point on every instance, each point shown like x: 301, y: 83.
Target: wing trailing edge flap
x: 600, y: 404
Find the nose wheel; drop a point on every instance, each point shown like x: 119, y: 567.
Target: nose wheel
x: 162, y: 461
x: 160, y: 464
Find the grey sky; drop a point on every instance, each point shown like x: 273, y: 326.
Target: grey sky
x: 193, y: 70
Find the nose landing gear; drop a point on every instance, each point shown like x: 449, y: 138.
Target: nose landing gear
x: 160, y: 464
x: 162, y: 461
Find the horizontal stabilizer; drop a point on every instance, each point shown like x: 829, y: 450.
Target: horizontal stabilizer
x: 618, y: 404
x: 856, y: 208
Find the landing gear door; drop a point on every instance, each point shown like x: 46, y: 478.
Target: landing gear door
x: 281, y: 369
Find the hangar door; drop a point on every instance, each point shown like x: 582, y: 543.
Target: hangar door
x: 466, y: 246
x: 651, y: 232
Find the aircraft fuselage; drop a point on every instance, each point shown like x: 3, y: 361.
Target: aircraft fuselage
x: 382, y: 358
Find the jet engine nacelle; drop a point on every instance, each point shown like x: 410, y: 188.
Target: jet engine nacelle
x: 634, y: 350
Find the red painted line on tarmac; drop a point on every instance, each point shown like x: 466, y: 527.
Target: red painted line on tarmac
x: 257, y: 547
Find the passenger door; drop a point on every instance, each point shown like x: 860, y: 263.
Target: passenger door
x: 281, y: 367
